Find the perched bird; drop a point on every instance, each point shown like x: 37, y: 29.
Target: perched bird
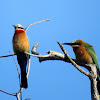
x: 84, y: 52
x: 20, y: 45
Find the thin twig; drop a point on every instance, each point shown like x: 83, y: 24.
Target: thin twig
x: 17, y: 96
x: 36, y: 23
x: 7, y: 55
x: 16, y: 65
x: 29, y: 62
x: 8, y: 93
x: 18, y: 93
x: 28, y: 54
x: 37, y: 55
x: 33, y: 51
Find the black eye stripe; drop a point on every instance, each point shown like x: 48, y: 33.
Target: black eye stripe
x: 77, y: 43
x: 21, y: 27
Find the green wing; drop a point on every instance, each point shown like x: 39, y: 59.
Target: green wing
x: 92, y: 53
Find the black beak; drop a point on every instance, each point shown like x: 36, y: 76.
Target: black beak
x: 68, y: 44
x: 71, y: 44
x: 14, y: 26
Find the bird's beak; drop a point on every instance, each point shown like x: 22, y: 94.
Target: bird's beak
x: 72, y: 44
x: 68, y: 44
x: 14, y: 26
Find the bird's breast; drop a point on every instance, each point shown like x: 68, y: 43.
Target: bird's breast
x: 20, y: 42
x: 82, y: 54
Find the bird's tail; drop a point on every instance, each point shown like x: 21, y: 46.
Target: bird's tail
x: 22, y: 60
x: 23, y: 79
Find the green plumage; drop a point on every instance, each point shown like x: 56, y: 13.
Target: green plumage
x: 92, y: 53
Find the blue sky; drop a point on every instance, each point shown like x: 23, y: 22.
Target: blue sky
x: 70, y: 20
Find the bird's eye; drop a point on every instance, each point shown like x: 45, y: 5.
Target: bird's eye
x: 21, y: 27
x: 78, y: 43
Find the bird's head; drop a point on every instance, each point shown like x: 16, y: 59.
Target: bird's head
x: 75, y: 43
x: 19, y: 28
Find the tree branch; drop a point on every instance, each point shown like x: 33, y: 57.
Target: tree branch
x: 93, y: 80
x: 7, y: 55
x: 16, y: 65
x: 8, y: 93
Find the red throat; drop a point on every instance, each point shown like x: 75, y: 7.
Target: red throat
x: 19, y: 31
x: 75, y: 49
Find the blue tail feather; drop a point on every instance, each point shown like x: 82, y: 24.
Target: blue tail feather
x: 22, y: 60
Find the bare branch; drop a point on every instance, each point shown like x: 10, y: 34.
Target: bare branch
x: 19, y: 92
x: 29, y: 61
x: 93, y: 79
x: 17, y: 95
x: 8, y: 93
x: 16, y: 65
x: 37, y: 55
x: 7, y: 55
x: 33, y: 51
x: 53, y: 55
x: 36, y: 23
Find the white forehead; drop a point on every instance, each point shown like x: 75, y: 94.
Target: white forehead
x: 74, y: 41
x: 19, y: 25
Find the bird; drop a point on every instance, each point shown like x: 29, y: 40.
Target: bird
x: 85, y: 53
x: 20, y: 46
